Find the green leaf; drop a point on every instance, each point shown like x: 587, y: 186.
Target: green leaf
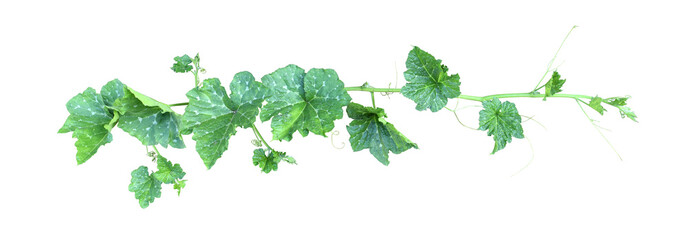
x: 112, y: 91
x: 502, y: 122
x: 179, y: 185
x: 554, y: 85
x: 616, y: 101
x: 596, y: 103
x: 213, y: 117
x: 89, y: 121
x: 144, y: 186
x: 182, y: 64
x: 428, y: 83
x: 370, y: 130
x: 301, y: 102
x: 268, y: 161
x: 627, y: 112
x: 168, y: 173
x: 620, y: 103
x: 148, y: 120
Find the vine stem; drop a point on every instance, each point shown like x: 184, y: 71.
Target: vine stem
x: 373, y: 90
x: 475, y: 98
x: 257, y: 133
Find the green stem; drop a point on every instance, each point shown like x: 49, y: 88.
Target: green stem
x: 372, y: 89
x: 475, y: 98
x: 372, y: 97
x: 257, y: 133
x: 156, y: 150
x: 179, y: 104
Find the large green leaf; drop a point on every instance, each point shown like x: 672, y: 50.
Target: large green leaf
x: 502, y: 122
x: 369, y: 129
x: 167, y: 172
x: 144, y: 186
x: 213, y: 117
x: 428, y: 83
x: 304, y: 102
x: 90, y: 123
x: 150, y: 121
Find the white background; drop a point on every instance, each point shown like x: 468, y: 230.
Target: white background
x: 575, y: 188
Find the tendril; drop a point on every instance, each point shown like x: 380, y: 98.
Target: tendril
x: 532, y: 157
x: 336, y: 133
x: 533, y: 119
x: 578, y: 101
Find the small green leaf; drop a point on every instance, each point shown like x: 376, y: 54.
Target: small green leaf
x: 168, y: 173
x: 627, y: 112
x: 554, y: 85
x: 596, y: 103
x: 301, y: 102
x: 370, y: 130
x: 148, y: 120
x: 179, y: 185
x: 502, y: 122
x: 268, y: 161
x: 213, y: 117
x: 182, y: 64
x: 144, y: 186
x: 88, y: 120
x: 428, y: 83
x: 620, y: 103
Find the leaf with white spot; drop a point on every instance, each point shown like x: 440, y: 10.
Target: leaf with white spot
x: 145, y: 187
x: 167, y: 172
x: 150, y: 121
x: 90, y: 122
x: 112, y: 91
x: 213, y: 116
x: 182, y: 64
x: 304, y: 102
x: 268, y: 161
x: 369, y: 129
x: 501, y: 121
x: 428, y: 83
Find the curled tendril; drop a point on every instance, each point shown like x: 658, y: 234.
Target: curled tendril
x: 396, y: 82
x: 336, y: 133
x: 256, y: 143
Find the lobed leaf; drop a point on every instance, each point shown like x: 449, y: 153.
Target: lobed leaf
x: 90, y: 122
x: 370, y: 130
x: 182, y: 64
x: 620, y: 103
x: 168, y: 173
x: 148, y: 120
x: 428, y: 83
x: 144, y: 186
x: 268, y: 162
x: 596, y: 104
x: 304, y: 102
x: 213, y: 117
x: 554, y: 85
x: 502, y: 122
